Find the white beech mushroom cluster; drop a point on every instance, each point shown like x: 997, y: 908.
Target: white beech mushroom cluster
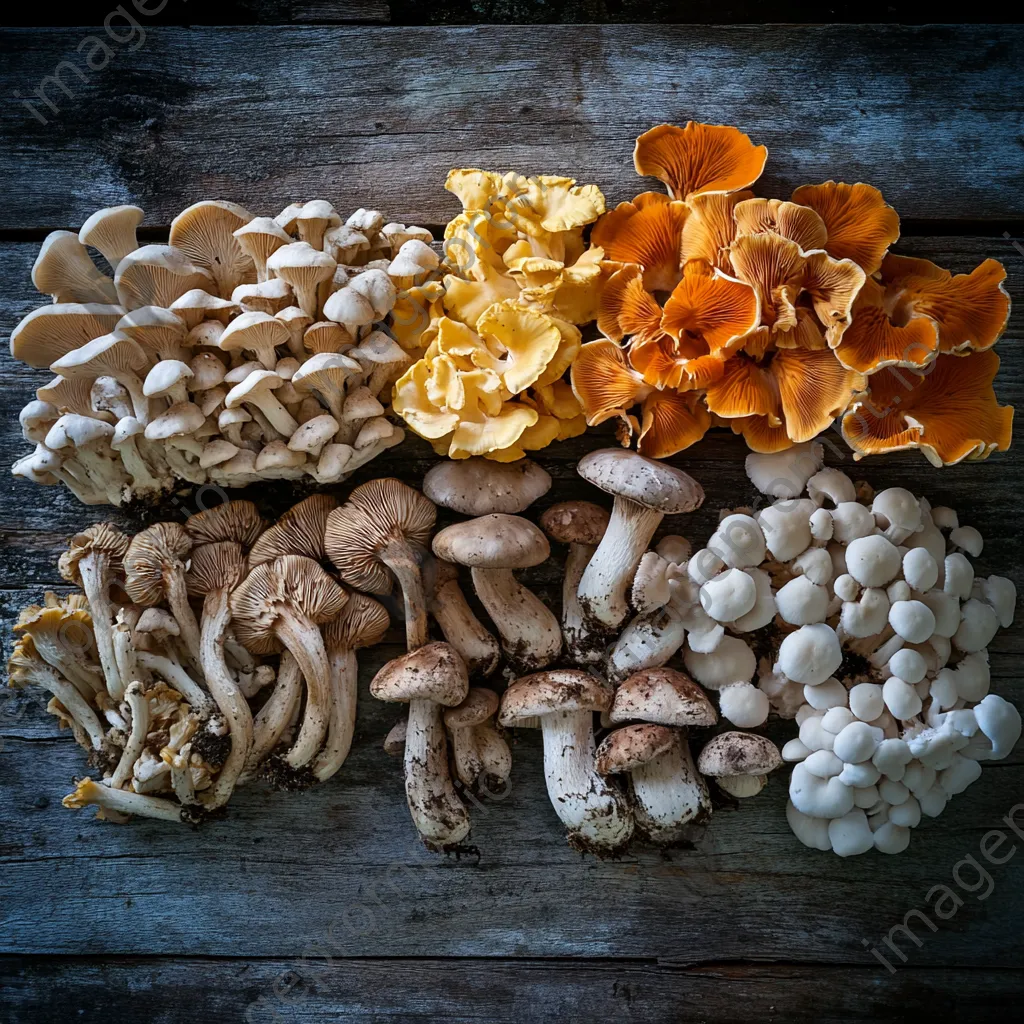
x: 248, y: 348
x: 876, y: 631
x: 201, y: 656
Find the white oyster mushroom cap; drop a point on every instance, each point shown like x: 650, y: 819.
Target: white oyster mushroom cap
x: 738, y: 541
x: 810, y: 654
x: 867, y: 616
x: 704, y: 565
x: 897, y: 513
x: 943, y: 690
x: 822, y: 527
x: 978, y: 626
x: 784, y: 474
x: 812, y: 832
x: 891, y: 837
x: 914, y: 621
x: 744, y: 705
x: 786, y: 527
x: 820, y: 798
x: 866, y: 797
x: 728, y: 596
x: 826, y: 695
x: 1000, y: 721
x: 801, y: 602
x: 972, y: 676
x: 823, y: 763
x: 732, y: 661
x: 814, y: 736
x: 872, y: 561
x: 908, y: 664
x: 832, y: 485
x: 906, y: 816
x: 795, y: 750
x: 891, y: 758
x: 893, y: 792
x: 901, y: 698
x: 898, y: 590
x: 859, y: 775
x: 866, y: 701
x: 919, y: 569
x: 959, y: 576
x: 764, y: 609
x: 944, y: 517
x: 857, y: 742
x: 835, y: 720
x: 959, y: 775
x: 968, y: 538
x: 845, y: 587
x: 850, y: 521
x: 946, y: 609
x: 815, y: 564
x: 1001, y: 595
x: 850, y: 834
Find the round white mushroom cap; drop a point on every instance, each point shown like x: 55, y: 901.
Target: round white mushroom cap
x: 818, y: 797
x: 732, y: 661
x: 897, y: 512
x: 801, y: 602
x: 810, y: 654
x: 744, y: 705
x: 872, y: 561
x: 728, y: 596
x: 914, y: 621
x: 738, y: 541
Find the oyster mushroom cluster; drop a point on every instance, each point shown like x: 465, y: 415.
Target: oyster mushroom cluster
x: 776, y: 317
x: 861, y: 615
x: 201, y: 655
x: 248, y: 348
x: 494, y: 339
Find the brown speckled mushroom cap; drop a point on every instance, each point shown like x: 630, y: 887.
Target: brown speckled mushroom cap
x: 290, y: 584
x: 214, y: 567
x: 650, y: 483
x: 152, y: 556
x: 376, y: 514
x: 575, y: 522
x: 103, y: 538
x: 546, y: 693
x: 738, y: 753
x: 432, y: 672
x: 662, y: 696
x: 300, y: 531
x: 631, y: 747
x: 237, y: 521
x: 361, y: 623
x: 493, y: 542
x: 479, y: 705
x: 478, y: 486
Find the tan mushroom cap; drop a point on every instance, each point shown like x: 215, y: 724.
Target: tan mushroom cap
x: 255, y: 332
x: 496, y: 541
x: 479, y: 705
x: 662, y: 696
x: 326, y: 336
x: 650, y: 483
x: 238, y: 521
x: 300, y: 531
x: 288, y: 585
x: 111, y: 231
x: 109, y: 354
x: 575, y: 522
x: 64, y: 270
x: 546, y: 693
x: 197, y: 305
x: 394, y: 742
x: 156, y: 275
x: 631, y: 747
x: 260, y: 238
x: 738, y: 753
x: 215, y: 566
x: 158, y: 623
x: 205, y: 232
x: 361, y: 623
x: 376, y: 514
x: 159, y: 331
x: 432, y: 672
x: 104, y: 538
x: 49, y: 332
x: 478, y: 486
x: 151, y: 556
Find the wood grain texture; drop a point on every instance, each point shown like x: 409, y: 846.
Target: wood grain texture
x: 377, y: 116
x: 153, y: 991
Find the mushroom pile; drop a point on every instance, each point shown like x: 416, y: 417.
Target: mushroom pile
x: 248, y: 348
x: 861, y: 614
x: 201, y: 656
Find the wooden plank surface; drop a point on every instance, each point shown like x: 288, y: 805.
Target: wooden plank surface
x: 378, y: 116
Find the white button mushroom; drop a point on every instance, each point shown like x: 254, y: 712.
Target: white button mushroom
x: 810, y: 654
x: 801, y: 602
x: 946, y: 609
x: 811, y: 831
x: 866, y: 616
x: 978, y: 625
x: 731, y: 662
x: 898, y: 590
x: 820, y: 798
x: 845, y: 587
x: 901, y: 698
x: 908, y: 664
x: 872, y: 561
x: 891, y: 837
x: 832, y: 484
x: 959, y: 576
x: 744, y: 705
x: 1000, y: 721
x: 821, y: 526
x: 786, y: 527
x: 866, y: 701
x: 972, y: 676
x: 794, y: 750
x: 826, y: 695
x: 851, y: 521
x: 850, y: 834
x: 857, y: 742
x: 728, y: 596
x: 919, y: 569
x: 906, y: 814
x: 738, y: 541
x: 967, y: 538
x: 764, y: 605
x: 897, y: 512
x: 913, y: 621
x: 704, y: 565
x: 815, y: 564
x: 784, y: 474
x: 860, y: 774
x: 1001, y: 595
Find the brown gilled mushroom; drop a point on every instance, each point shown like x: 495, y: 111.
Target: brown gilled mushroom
x: 154, y: 567
x: 156, y: 275
x: 93, y: 560
x: 259, y: 333
x: 492, y: 546
x: 383, y: 529
x: 361, y: 623
x: 299, y: 531
x: 478, y: 486
x: 111, y: 355
x: 462, y: 629
x: 283, y: 602
x: 581, y: 525
x: 429, y: 678
x: 64, y: 271
x: 260, y: 238
x: 160, y: 332
x: 305, y: 269
x: 112, y: 232
x: 50, y: 332
x: 205, y: 232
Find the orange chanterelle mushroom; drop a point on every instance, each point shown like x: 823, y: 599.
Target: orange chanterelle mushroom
x: 776, y: 317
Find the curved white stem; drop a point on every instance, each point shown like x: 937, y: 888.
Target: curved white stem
x: 176, y: 676
x: 74, y: 703
x: 530, y: 634
x: 670, y: 793
x: 596, y: 815
x: 139, y: 705
x: 602, y: 590
x: 463, y: 630
x: 344, y: 680
x: 121, y: 801
x: 647, y: 642
x: 272, y: 720
x: 303, y: 639
x: 177, y: 601
x: 93, y: 569
x: 582, y: 645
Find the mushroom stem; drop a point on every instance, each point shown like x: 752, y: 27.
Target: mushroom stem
x: 596, y: 815
x: 344, y: 689
x: 647, y: 642
x: 602, y: 589
x: 125, y: 655
x: 495, y: 755
x: 669, y: 793
x: 224, y: 688
x: 273, y: 718
x: 122, y: 801
x: 177, y: 601
x: 94, y: 569
x: 467, y: 755
x: 181, y: 776
x: 530, y: 635
x: 581, y: 645
x: 439, y: 815
x: 74, y: 703
x: 139, y: 705
x: 401, y: 558
x: 463, y: 630
x: 178, y: 678
x: 303, y: 639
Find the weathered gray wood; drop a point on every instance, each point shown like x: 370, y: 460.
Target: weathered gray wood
x: 376, y: 116
x: 155, y: 991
